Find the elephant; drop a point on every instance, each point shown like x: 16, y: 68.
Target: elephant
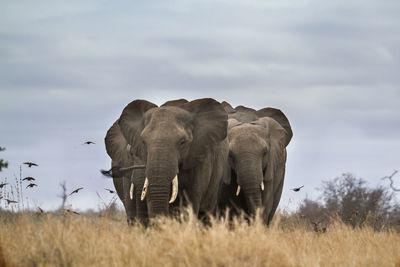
x: 183, y: 146
x: 119, y: 151
x: 257, y: 159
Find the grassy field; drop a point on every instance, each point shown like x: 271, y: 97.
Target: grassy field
x: 76, y: 240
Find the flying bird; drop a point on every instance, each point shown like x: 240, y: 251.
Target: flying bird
x: 41, y: 211
x: 28, y: 179
x: 107, y: 173
x: 30, y: 164
x: 89, y: 143
x: 76, y: 190
x: 71, y: 211
x: 297, y: 189
x: 10, y: 201
x: 31, y: 185
x: 3, y: 184
x: 109, y: 190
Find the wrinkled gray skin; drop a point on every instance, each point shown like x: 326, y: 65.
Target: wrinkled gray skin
x: 257, y: 154
x: 180, y: 137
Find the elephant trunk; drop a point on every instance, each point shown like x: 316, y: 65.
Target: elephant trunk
x: 158, y: 200
x: 250, y: 179
x: 253, y: 197
x: 161, y: 170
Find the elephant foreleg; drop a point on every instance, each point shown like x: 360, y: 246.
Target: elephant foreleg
x: 268, y: 199
x: 141, y: 206
x: 276, y: 199
x: 130, y: 205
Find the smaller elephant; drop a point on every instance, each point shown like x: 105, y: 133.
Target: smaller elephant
x: 119, y: 151
x: 257, y: 158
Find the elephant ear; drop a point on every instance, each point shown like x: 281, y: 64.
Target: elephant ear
x: 228, y: 108
x: 115, y: 142
x: 119, y: 151
x: 244, y: 114
x: 131, y: 120
x: 175, y: 103
x: 275, y: 172
x: 116, y: 146
x: 210, y: 122
x: 276, y: 138
x: 278, y: 116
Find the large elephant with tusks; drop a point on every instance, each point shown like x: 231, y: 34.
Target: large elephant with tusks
x: 183, y: 147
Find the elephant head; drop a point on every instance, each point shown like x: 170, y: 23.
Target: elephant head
x: 257, y: 157
x: 171, y: 139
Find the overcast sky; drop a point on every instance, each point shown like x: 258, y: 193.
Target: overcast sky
x: 68, y: 68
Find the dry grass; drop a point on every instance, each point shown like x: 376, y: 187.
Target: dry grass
x: 49, y: 240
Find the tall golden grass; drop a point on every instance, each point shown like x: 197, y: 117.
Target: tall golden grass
x: 74, y: 240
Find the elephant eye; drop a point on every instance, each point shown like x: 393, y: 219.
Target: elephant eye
x: 182, y: 141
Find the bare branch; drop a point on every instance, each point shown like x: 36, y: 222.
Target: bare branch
x: 63, y: 195
x: 390, y: 177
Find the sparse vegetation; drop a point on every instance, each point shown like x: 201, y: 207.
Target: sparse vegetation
x: 350, y: 199
x: 12, y: 193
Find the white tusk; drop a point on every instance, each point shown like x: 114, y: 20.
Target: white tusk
x: 238, y: 190
x: 131, y: 191
x: 144, y: 191
x: 262, y: 186
x: 174, y: 189
x: 128, y: 147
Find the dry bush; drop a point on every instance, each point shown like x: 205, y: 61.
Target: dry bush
x: 75, y: 240
x: 354, y: 202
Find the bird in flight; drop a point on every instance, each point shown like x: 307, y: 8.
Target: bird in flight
x: 30, y: 164
x: 76, y: 190
x: 109, y: 190
x: 10, y: 201
x: 71, y: 211
x: 106, y: 173
x: 28, y: 179
x: 41, y: 211
x: 3, y: 184
x: 31, y: 185
x: 297, y: 189
x: 89, y: 143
